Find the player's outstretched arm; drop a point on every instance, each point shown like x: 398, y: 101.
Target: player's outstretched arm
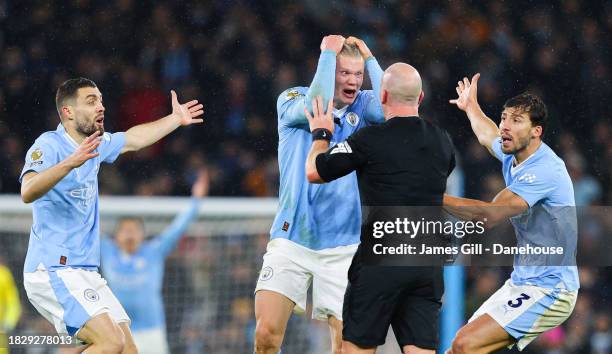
x: 505, y: 205
x: 170, y: 236
x: 143, y: 135
x: 322, y: 127
x: 34, y: 185
x: 485, y: 129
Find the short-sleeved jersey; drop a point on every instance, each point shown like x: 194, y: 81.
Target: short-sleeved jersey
x: 65, y: 230
x: 312, y: 215
x: 543, y: 182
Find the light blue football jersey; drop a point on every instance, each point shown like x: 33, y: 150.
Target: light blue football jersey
x: 320, y: 216
x: 136, y: 279
x: 544, y: 183
x: 66, y: 222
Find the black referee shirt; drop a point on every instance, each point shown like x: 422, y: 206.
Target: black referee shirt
x: 402, y: 162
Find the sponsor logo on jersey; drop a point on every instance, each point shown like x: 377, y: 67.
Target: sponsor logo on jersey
x: 85, y: 195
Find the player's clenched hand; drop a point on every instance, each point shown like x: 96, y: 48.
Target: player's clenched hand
x: 467, y: 93
x: 332, y: 42
x: 200, y: 187
x: 186, y: 112
x: 84, y: 151
x: 363, y: 48
x: 320, y: 118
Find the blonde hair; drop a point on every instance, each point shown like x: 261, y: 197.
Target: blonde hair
x: 350, y: 50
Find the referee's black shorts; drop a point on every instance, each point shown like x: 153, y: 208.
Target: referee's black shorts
x: 407, y: 298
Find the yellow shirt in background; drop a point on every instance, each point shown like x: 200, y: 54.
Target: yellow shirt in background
x: 10, y: 307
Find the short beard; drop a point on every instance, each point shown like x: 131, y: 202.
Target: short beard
x: 522, y: 145
x: 88, y: 129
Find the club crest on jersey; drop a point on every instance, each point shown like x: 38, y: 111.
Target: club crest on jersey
x: 352, y: 118
x: 266, y: 274
x: 292, y: 94
x: 91, y: 295
x: 37, y: 154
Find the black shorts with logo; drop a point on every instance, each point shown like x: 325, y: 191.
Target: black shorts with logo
x: 407, y: 298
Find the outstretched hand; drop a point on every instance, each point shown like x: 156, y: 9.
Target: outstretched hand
x: 186, y: 112
x: 467, y: 93
x: 85, y: 150
x: 321, y: 118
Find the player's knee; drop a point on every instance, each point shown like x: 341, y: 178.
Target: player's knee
x: 413, y: 349
x: 462, y: 344
x: 267, y: 336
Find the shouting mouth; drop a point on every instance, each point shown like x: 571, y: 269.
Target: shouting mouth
x: 506, y: 140
x: 349, y: 93
x: 100, y: 120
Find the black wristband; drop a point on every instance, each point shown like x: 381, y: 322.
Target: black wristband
x: 321, y: 134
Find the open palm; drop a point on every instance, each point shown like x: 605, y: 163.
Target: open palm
x: 467, y: 93
x: 187, y: 112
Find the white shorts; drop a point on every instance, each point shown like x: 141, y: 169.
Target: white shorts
x: 69, y: 297
x: 526, y: 311
x: 289, y: 269
x: 151, y: 341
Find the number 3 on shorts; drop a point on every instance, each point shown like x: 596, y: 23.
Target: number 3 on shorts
x: 519, y: 300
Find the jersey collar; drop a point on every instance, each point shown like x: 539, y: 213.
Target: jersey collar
x: 340, y: 112
x: 60, y: 129
x: 514, y: 168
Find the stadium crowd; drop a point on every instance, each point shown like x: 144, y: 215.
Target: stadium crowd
x: 236, y: 57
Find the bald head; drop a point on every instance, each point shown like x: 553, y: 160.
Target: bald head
x: 403, y: 84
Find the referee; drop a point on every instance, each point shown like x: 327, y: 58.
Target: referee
x: 402, y: 162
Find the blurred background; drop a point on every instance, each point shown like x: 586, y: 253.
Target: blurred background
x: 237, y: 56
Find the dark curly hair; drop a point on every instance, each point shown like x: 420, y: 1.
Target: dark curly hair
x: 531, y: 104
